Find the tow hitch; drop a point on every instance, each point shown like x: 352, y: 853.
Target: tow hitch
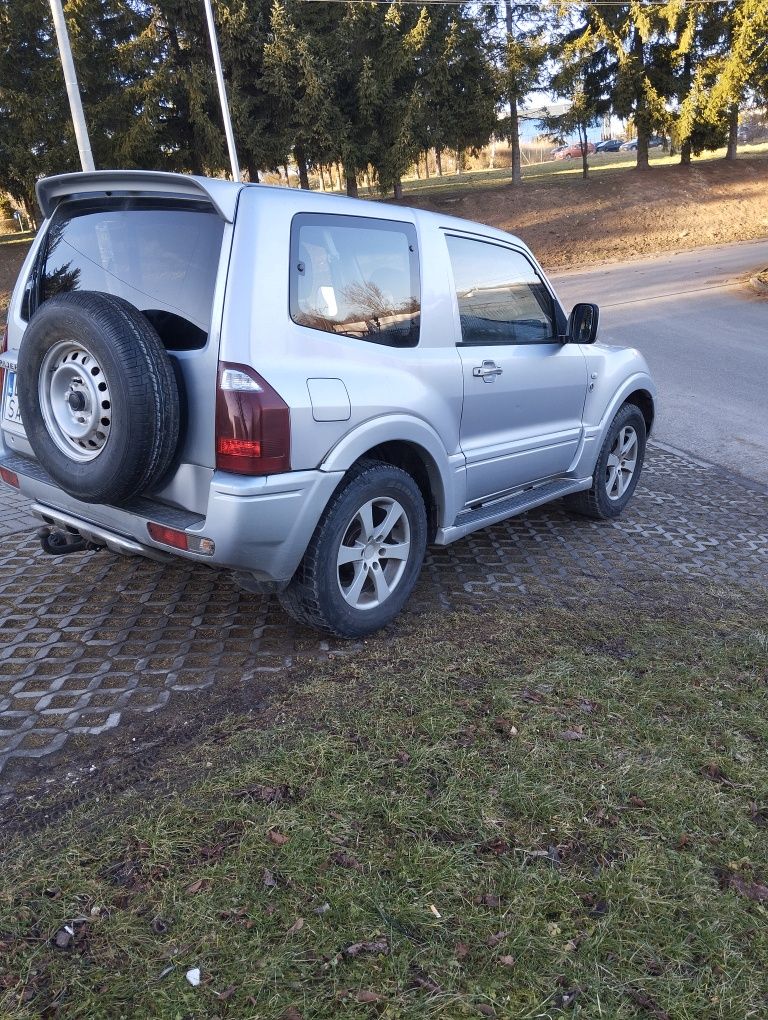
x: 56, y: 542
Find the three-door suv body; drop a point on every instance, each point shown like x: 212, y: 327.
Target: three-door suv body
x: 302, y: 388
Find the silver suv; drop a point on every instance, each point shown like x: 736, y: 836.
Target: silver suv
x: 302, y: 388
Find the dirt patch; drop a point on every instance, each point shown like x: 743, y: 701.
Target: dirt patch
x: 622, y: 214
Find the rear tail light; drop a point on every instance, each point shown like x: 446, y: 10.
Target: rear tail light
x: 253, y: 424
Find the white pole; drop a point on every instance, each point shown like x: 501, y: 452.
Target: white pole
x: 222, y: 92
x: 70, y: 80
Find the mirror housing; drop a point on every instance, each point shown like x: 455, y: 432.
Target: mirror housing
x: 583, y: 323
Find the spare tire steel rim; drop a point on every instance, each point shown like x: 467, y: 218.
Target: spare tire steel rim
x: 75, y: 401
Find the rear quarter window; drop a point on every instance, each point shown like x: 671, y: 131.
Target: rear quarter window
x: 357, y: 277
x: 161, y: 256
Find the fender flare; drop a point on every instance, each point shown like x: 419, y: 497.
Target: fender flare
x: 446, y: 473
x: 638, y: 381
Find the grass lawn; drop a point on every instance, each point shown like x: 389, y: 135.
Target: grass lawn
x: 561, y: 809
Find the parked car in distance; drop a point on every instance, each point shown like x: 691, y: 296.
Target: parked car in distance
x: 573, y: 151
x: 654, y: 142
x: 608, y: 145
x: 304, y: 389
x: 557, y: 149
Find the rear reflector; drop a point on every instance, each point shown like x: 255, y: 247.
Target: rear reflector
x: 181, y: 539
x: 9, y: 477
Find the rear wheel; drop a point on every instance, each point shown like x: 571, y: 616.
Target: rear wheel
x: 617, y: 470
x: 365, y: 555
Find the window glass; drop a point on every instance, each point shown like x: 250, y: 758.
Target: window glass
x: 501, y: 298
x: 356, y: 276
x: 162, y: 257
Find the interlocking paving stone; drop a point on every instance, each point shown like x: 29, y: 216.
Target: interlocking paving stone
x: 88, y: 640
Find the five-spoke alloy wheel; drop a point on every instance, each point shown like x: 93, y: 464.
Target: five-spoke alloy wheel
x: 365, y: 555
x: 618, y: 467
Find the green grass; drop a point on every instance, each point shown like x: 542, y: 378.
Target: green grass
x: 488, y: 814
x: 555, y: 170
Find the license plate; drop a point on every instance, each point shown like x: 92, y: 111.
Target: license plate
x: 11, y: 411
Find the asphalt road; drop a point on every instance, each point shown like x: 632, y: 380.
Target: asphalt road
x: 705, y: 335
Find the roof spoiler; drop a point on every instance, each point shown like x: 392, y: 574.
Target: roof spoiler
x: 221, y: 194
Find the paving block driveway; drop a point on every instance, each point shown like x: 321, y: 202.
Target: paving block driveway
x: 88, y: 642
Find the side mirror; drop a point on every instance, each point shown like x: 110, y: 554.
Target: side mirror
x: 583, y: 322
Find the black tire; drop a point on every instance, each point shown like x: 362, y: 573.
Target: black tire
x: 142, y: 415
x: 595, y: 502
x: 314, y: 597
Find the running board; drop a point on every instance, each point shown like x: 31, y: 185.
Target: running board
x: 491, y: 513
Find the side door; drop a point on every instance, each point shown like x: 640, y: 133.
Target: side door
x: 524, y: 389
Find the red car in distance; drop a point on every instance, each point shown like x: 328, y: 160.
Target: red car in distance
x: 573, y: 151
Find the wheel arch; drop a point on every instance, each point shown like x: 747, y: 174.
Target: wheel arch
x: 643, y: 400
x: 414, y: 447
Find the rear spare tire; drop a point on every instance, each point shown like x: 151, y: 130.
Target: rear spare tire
x: 98, y: 396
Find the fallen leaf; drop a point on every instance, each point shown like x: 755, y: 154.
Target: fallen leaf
x: 750, y: 888
x: 363, y: 996
x: 485, y: 1010
x: 487, y: 900
x: 345, y: 860
x: 226, y: 994
x: 714, y: 772
x: 565, y: 998
x: 278, y: 838
x: 758, y: 815
x: 504, y: 727
x: 159, y: 925
x: 508, y: 961
x: 637, y: 802
x: 427, y: 983
x: 645, y: 1001
x: 497, y: 846
x: 683, y: 840
x: 296, y: 927
x: 63, y: 937
x: 289, y: 1014
x: 268, y: 879
x: 461, y: 950
x: 195, y: 887
x: 378, y: 945
x: 575, y: 734
x: 493, y: 940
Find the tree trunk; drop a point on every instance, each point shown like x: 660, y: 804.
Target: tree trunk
x: 368, y: 184
x: 733, y: 131
x: 426, y: 164
x: 301, y: 162
x: 685, y: 153
x: 321, y: 176
x: 253, y: 172
x: 459, y: 160
x: 351, y: 184
x: 641, y: 111
x: 514, y: 141
x: 418, y: 169
x: 338, y: 176
x: 584, y: 153
x: 439, y: 162
x: 398, y: 189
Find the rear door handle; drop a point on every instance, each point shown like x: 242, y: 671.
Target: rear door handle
x: 487, y: 371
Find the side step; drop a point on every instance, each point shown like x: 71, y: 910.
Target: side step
x: 491, y: 513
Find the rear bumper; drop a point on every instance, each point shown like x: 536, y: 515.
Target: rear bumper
x: 260, y: 526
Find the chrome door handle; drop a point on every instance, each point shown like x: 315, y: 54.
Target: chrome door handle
x: 487, y: 371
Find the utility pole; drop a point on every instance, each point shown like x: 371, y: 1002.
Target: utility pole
x: 222, y: 92
x: 73, y: 92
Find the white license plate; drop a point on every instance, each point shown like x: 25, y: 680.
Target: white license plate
x: 11, y: 411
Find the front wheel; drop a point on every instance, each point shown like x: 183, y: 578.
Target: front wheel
x: 617, y: 470
x: 365, y: 555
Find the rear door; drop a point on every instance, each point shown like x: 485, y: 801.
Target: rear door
x: 524, y: 389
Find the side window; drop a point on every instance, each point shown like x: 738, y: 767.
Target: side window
x: 501, y: 298
x: 356, y: 276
